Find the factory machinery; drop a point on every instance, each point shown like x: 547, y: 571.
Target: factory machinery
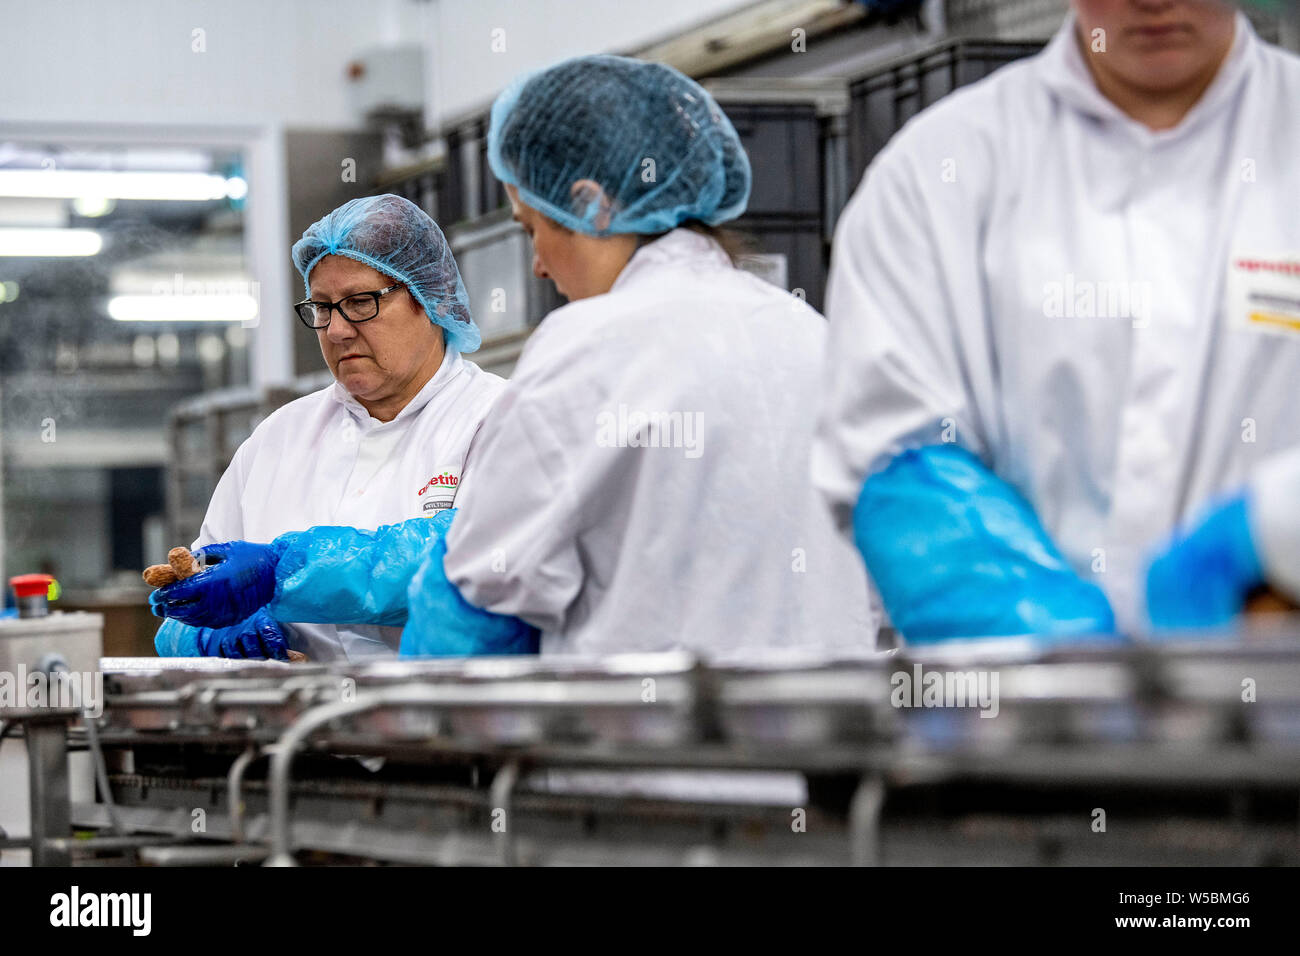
x: 990, y: 753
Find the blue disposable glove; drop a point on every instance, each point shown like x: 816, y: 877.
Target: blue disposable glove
x: 956, y: 552
x: 444, y: 624
x: 227, y: 593
x: 258, y: 636
x: 1202, y: 576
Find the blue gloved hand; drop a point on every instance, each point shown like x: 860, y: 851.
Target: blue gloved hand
x: 258, y: 636
x: 1202, y: 576
x: 441, y: 623
x: 957, y: 552
x: 227, y: 593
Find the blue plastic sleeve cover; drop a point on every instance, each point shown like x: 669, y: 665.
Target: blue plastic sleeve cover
x: 175, y: 639
x: 957, y: 552
x: 341, y: 575
x: 1202, y: 576
x: 444, y: 624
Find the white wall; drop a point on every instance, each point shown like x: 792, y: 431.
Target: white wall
x: 466, y: 73
x: 282, y: 61
x: 132, y: 61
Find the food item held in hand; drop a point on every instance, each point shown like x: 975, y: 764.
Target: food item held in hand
x: 159, y: 575
x: 180, y: 565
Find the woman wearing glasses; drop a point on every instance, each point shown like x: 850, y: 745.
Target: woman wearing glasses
x: 385, y: 443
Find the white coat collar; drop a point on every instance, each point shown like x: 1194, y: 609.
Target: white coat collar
x: 452, y: 363
x: 679, y: 247
x: 1063, y: 69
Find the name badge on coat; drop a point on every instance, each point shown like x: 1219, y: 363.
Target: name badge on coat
x: 1262, y: 293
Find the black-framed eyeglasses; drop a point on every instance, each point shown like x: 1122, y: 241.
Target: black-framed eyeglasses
x: 357, y: 307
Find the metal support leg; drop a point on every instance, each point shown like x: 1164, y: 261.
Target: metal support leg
x: 47, y: 775
x: 235, y: 791
x: 864, y: 821
x: 503, y: 787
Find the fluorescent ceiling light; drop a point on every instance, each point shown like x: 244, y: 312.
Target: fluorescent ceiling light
x: 74, y: 184
x: 49, y: 242
x: 183, y: 308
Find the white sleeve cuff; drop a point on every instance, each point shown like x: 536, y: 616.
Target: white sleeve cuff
x: 1275, y: 520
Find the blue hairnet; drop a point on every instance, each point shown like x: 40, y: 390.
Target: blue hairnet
x: 401, y: 240
x: 655, y: 142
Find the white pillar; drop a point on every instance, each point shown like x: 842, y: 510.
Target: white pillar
x: 267, y: 235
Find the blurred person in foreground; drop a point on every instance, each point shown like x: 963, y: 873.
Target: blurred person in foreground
x: 1065, y: 319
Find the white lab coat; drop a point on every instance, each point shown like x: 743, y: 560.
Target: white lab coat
x: 968, y: 300
x: 322, y: 460
x: 707, y: 536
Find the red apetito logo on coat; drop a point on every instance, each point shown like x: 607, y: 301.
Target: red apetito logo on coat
x: 445, y: 480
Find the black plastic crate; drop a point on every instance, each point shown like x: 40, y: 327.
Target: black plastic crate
x: 784, y: 215
x: 783, y: 142
x: 883, y: 100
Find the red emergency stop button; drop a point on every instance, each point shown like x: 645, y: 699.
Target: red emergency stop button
x: 31, y: 585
